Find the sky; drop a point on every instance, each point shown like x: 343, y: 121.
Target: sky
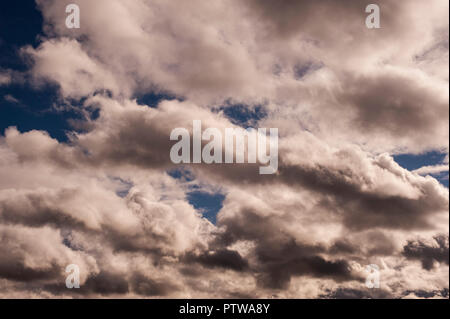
x: 86, y: 178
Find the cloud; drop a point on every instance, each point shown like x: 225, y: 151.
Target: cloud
x: 345, y: 99
x: 224, y: 258
x: 11, y: 99
x: 431, y: 169
x: 64, y: 62
x: 5, y: 78
x: 428, y: 252
x: 30, y: 254
x: 10, y: 76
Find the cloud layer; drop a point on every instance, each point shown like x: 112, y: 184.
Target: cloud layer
x: 345, y: 99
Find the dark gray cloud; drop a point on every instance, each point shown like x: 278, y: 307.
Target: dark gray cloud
x: 36, y: 209
x: 363, y: 209
x: 106, y: 283
x: 145, y: 286
x: 395, y: 105
x: 351, y: 293
x: 129, y: 138
x: 278, y: 255
x: 325, y: 20
x: 223, y: 258
x: 429, y: 252
x: 429, y: 294
x: 343, y: 246
x: 344, y: 194
x: 279, y: 264
x: 15, y: 269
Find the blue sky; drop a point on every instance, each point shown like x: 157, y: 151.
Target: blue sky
x: 33, y: 109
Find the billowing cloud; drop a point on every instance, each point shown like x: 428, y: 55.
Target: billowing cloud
x: 428, y: 252
x: 344, y: 98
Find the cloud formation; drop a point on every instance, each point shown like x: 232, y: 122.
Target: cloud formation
x: 345, y: 100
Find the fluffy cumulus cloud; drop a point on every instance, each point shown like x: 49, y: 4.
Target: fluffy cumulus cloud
x: 345, y: 99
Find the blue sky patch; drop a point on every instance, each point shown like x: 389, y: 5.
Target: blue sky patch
x: 22, y: 106
x: 243, y: 115
x: 207, y: 203
x: 33, y: 110
x: 20, y: 24
x: 182, y: 174
x: 412, y: 162
x: 152, y: 99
